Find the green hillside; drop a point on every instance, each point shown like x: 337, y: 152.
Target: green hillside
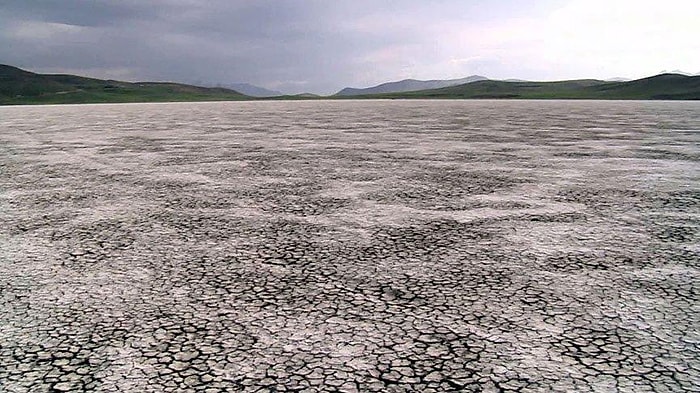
x: 22, y: 87
x: 660, y: 87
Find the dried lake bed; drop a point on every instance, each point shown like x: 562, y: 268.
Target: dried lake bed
x: 371, y: 246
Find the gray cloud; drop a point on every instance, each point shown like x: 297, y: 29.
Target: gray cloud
x: 289, y: 45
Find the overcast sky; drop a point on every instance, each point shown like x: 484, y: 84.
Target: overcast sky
x: 323, y: 45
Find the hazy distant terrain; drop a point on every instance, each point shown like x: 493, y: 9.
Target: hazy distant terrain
x: 22, y: 87
x: 408, y: 85
x: 660, y: 87
x: 350, y: 246
x: 253, y: 91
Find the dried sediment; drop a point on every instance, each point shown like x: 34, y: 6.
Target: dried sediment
x: 350, y: 246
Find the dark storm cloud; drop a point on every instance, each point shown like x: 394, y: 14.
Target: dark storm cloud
x: 82, y: 13
x: 291, y: 44
x: 322, y: 46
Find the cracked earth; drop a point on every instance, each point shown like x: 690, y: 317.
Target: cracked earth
x: 368, y: 246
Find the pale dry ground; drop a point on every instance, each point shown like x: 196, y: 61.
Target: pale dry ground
x: 350, y: 246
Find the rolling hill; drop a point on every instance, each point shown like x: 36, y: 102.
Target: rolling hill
x: 18, y: 86
x: 408, y: 85
x: 659, y: 87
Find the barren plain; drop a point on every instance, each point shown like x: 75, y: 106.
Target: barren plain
x: 354, y: 246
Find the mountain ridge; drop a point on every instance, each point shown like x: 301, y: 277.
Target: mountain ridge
x: 19, y: 86
x: 408, y: 85
x: 657, y: 87
x: 251, y: 90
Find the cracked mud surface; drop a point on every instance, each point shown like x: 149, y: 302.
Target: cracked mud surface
x: 410, y: 246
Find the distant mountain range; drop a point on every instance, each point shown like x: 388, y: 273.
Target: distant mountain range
x: 18, y: 86
x: 408, y: 85
x: 252, y: 90
x: 618, y: 79
x: 681, y: 72
x: 659, y: 87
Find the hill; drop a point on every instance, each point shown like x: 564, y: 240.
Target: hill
x: 659, y: 87
x: 252, y: 90
x: 297, y: 97
x: 18, y: 86
x: 307, y: 95
x: 408, y: 85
